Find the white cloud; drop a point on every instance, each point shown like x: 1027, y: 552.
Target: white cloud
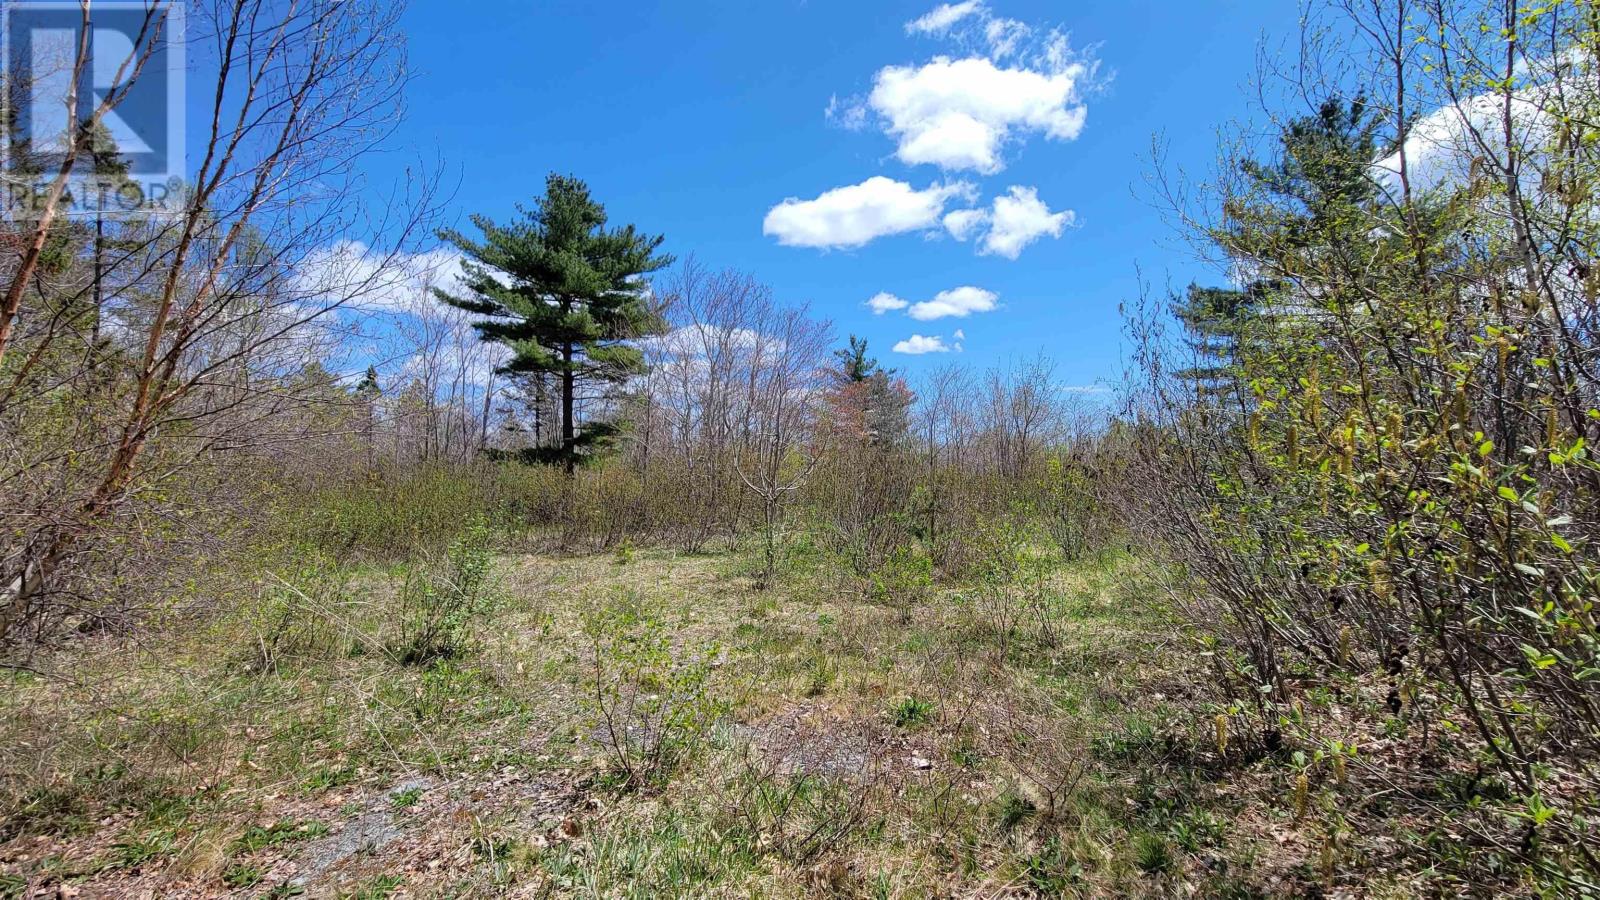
x: 917, y: 345
x: 959, y: 302
x: 883, y: 302
x: 1004, y: 36
x: 848, y: 114
x: 464, y: 362
x: 703, y: 340
x: 1014, y: 220
x: 853, y: 215
x: 942, y: 17
x: 959, y: 113
x: 1441, y: 148
x: 959, y: 335
x: 972, y: 20
x: 1018, y: 219
x: 356, y: 276
x: 963, y: 223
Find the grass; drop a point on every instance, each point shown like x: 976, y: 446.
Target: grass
x: 258, y: 838
x: 819, y: 738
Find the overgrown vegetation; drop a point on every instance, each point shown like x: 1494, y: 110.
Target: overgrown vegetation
x: 676, y: 599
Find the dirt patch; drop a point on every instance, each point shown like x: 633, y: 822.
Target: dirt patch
x: 806, y: 739
x: 419, y: 831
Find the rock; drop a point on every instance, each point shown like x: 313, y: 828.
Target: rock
x: 918, y: 762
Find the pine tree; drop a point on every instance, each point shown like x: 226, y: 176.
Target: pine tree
x: 868, y: 400
x: 565, y: 295
x: 1323, y: 169
x: 1213, y: 321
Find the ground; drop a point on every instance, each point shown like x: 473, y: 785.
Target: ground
x: 644, y: 724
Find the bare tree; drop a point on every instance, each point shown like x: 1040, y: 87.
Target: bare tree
x: 33, y: 233
x: 785, y: 381
x: 212, y: 313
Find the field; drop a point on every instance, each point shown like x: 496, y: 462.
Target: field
x: 637, y: 724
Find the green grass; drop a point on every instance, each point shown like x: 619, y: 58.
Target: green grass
x: 406, y: 798
x: 1050, y: 764
x: 285, y: 832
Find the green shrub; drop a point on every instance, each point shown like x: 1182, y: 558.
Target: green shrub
x: 911, y: 712
x: 904, y: 581
x: 1151, y: 854
x: 651, y: 704
x: 440, y: 605
x: 302, y: 614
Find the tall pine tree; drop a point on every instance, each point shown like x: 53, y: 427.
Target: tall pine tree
x: 1323, y: 169
x: 565, y: 294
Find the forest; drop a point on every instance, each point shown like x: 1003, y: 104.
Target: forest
x: 607, y: 571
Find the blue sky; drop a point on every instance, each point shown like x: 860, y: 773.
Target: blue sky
x: 695, y: 119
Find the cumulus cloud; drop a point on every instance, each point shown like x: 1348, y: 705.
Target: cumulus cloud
x: 1018, y: 219
x: 1441, y: 147
x: 959, y: 302
x: 963, y: 223
x: 959, y: 113
x: 856, y: 214
x: 353, y: 275
x: 883, y: 302
x: 1002, y: 81
x: 940, y: 19
x: 1014, y: 220
x: 917, y: 345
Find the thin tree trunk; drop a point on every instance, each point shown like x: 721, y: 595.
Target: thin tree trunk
x: 568, y: 452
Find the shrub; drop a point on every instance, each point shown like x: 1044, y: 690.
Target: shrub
x: 302, y: 615
x: 440, y: 605
x: 1388, y: 484
x: 911, y: 712
x: 651, y: 706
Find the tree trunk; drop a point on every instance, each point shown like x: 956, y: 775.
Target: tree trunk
x: 569, y: 458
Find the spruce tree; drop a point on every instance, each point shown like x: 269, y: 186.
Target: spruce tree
x: 565, y: 295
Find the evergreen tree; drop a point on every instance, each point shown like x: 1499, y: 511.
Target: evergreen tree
x: 564, y: 293
x: 1324, y: 170
x: 854, y: 364
x: 368, y: 386
x: 1213, y: 321
x: 1322, y: 174
x: 868, y: 400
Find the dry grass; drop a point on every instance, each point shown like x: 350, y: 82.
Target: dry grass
x: 860, y: 749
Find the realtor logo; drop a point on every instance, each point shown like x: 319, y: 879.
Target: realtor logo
x: 102, y: 83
